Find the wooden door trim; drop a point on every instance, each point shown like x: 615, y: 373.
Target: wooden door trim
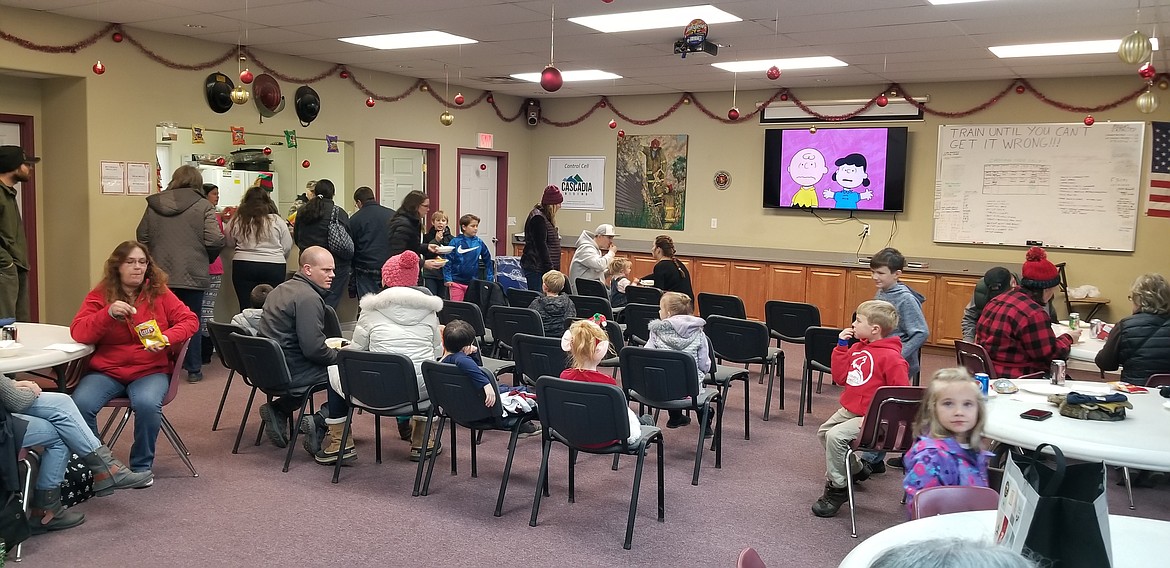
x: 432, y: 166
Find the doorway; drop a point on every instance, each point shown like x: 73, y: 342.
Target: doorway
x: 483, y: 191
x: 402, y: 167
x: 17, y: 130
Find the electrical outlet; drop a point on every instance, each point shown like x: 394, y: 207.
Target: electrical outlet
x: 865, y: 230
x: 588, y: 217
x: 511, y: 221
x: 714, y: 223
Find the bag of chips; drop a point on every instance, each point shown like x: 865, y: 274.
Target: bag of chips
x: 149, y: 334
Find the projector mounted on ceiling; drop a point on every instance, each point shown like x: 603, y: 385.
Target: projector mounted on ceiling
x: 682, y: 47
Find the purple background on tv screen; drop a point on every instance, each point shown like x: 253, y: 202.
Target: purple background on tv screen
x: 834, y: 144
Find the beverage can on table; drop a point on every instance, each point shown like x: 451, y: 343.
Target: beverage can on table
x: 1095, y: 327
x: 984, y: 380
x: 1056, y: 372
x: 1074, y: 320
x: 8, y: 333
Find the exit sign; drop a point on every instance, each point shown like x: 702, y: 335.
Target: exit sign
x: 484, y: 141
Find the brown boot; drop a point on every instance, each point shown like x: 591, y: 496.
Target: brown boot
x: 110, y: 474
x: 48, y: 514
x: 419, y: 426
x: 331, y: 445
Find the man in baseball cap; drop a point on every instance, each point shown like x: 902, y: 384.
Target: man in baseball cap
x: 15, y: 167
x: 588, y: 262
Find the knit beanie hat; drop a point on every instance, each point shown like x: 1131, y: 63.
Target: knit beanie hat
x: 401, y: 270
x: 1039, y: 273
x: 552, y: 196
x: 265, y: 180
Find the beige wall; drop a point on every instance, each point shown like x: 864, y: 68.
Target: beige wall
x: 113, y: 116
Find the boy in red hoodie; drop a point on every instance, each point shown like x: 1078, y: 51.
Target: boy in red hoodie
x: 874, y: 361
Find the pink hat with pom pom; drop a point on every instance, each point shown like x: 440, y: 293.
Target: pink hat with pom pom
x: 401, y: 270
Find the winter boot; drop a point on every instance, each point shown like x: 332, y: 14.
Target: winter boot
x: 110, y: 474
x: 831, y: 501
x: 332, y: 444
x: 419, y: 429
x: 313, y: 428
x: 48, y: 514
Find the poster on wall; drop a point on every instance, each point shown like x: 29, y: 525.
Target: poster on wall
x: 581, y: 179
x: 651, y: 187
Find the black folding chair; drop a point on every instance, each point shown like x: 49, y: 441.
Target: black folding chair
x: 662, y: 378
x: 590, y: 287
x: 229, y: 357
x: 787, y: 321
x: 520, y: 297
x: 509, y: 321
x: 536, y: 356
x: 638, y: 318
x: 818, y: 356
x: 592, y: 418
x: 456, y: 398
x: 470, y: 313
x: 746, y: 342
x: 643, y: 295
x: 722, y: 305
x: 586, y: 306
x: 616, y: 344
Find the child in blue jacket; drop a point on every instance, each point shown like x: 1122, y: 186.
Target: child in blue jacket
x: 463, y: 263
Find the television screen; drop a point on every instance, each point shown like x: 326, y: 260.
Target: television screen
x: 835, y: 168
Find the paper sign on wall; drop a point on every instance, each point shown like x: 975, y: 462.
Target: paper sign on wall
x: 581, y: 180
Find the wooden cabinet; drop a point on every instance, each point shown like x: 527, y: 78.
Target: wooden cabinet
x: 786, y: 282
x: 825, y: 289
x: 953, y: 293
x: 749, y: 280
x: 859, y: 289
x: 517, y: 249
x: 710, y: 276
x: 643, y: 265
x: 566, y: 259
x: 924, y: 284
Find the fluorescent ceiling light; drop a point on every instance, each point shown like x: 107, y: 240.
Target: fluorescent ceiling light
x: 408, y: 40
x: 942, y: 2
x: 655, y: 19
x: 821, y: 62
x: 1063, y: 48
x: 567, y: 76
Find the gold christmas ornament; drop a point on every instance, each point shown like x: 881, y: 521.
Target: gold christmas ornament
x: 1147, y: 102
x: 446, y: 118
x: 812, y: 130
x: 1164, y: 84
x: 1135, y: 48
x: 240, y: 95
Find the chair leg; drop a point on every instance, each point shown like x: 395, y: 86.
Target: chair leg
x: 699, y: 450
x: 852, y: 507
x: 378, y: 438
x: 426, y: 490
x: 222, y: 400
x: 472, y: 438
x: 661, y: 482
x: 780, y: 364
x: 260, y: 430
x: 294, y: 430
x: 453, y: 451
x: 418, y: 474
x: 244, y: 421
x: 341, y: 449
x: 1128, y: 487
x: 121, y: 426
x: 820, y: 381
x: 747, y: 408
x: 177, y: 443
x: 615, y: 462
x: 634, y: 496
x: 507, y: 468
x: 572, y: 475
x: 718, y: 442
x: 109, y: 423
x: 181, y: 446
x: 541, y: 481
x: 25, y: 498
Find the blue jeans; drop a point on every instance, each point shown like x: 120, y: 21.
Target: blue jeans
x: 194, y: 301
x: 55, y: 424
x: 146, y: 396
x: 535, y: 280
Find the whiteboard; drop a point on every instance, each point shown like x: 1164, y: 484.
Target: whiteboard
x: 1056, y: 185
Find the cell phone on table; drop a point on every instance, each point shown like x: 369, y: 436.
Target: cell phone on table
x: 1036, y: 414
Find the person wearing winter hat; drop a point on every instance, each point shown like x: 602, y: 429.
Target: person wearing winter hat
x: 401, y: 270
x: 994, y: 282
x: 542, y: 241
x: 1015, y: 327
x: 15, y: 167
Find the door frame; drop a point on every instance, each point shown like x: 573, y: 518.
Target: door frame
x: 28, y: 211
x: 431, y: 164
x: 501, y: 191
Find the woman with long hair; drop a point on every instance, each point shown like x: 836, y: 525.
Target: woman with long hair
x: 131, y: 300
x: 542, y: 241
x: 406, y: 230
x: 312, y: 229
x: 262, y: 243
x: 670, y: 274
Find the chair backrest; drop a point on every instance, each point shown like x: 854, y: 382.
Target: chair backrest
x: 614, y: 331
x: 536, y: 355
x: 590, y: 287
x: 485, y: 294
x: 888, y: 426
x: 520, y: 297
x: 586, y: 306
x: 818, y: 347
x: 458, y: 396
x: 1158, y: 380
x: 264, y: 362
x: 974, y: 358
x: 722, y: 305
x: 509, y: 320
x: 643, y: 295
x: 638, y: 318
x: 377, y: 380
x: 790, y: 319
x: 749, y: 558
x: 946, y: 499
x: 738, y: 340
x: 465, y: 311
x: 659, y: 375
x: 591, y: 417
x: 176, y: 372
x: 221, y: 337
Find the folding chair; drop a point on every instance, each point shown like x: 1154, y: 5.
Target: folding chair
x: 590, y: 287
x: 888, y: 426
x: 638, y: 318
x: 644, y: 295
x: 721, y: 304
x: 511, y: 320
x: 787, y: 321
x: 586, y: 306
x: 520, y: 297
x: 229, y: 357
x: 946, y: 499
x: 818, y: 356
x: 747, y: 342
x: 471, y: 314
x: 536, y: 356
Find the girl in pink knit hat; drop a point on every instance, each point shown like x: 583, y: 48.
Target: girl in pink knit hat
x: 401, y: 270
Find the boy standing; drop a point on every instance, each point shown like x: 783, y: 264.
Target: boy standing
x: 463, y: 263
x: 874, y: 361
x: 552, y: 306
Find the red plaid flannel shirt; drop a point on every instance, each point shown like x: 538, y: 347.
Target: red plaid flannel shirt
x: 1017, y: 334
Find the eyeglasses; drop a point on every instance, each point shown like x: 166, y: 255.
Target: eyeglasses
x: 134, y: 261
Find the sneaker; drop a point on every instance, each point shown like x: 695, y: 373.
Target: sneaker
x: 194, y: 376
x: 895, y: 462
x: 878, y: 466
x: 864, y: 473
x: 678, y: 421
x: 831, y: 501
x: 530, y: 428
x: 275, y: 424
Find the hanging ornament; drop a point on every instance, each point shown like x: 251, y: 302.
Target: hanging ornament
x: 305, y: 164
x: 882, y: 100
x: 118, y: 37
x: 812, y: 130
x: 1020, y: 89
x: 370, y: 102
x: 98, y: 68
x: 459, y: 99
x: 345, y: 74
x: 607, y: 1
x: 1147, y: 71
x: 686, y: 100
x: 773, y: 72
x: 483, y: 167
x: 783, y: 96
x: 612, y: 123
x: 1135, y: 48
x: 491, y: 100
x: 446, y: 118
x: 267, y: 151
x: 240, y: 95
x: 246, y: 77
x: 425, y: 87
x: 1164, y: 84
x: 1089, y: 120
x: 733, y: 114
x: 602, y: 104
x: 1147, y: 102
x: 220, y: 161
x: 621, y: 134
x: 550, y: 79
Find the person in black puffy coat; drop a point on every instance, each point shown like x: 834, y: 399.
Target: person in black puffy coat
x: 1140, y: 343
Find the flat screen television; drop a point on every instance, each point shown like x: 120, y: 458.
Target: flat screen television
x: 861, y: 169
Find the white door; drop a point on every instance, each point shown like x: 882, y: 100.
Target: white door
x: 477, y: 195
x: 402, y: 170
x: 10, y: 136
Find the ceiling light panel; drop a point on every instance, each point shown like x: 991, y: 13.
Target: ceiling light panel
x: 655, y: 19
x: 1060, y: 48
x: 821, y: 62
x: 409, y: 40
x: 570, y: 76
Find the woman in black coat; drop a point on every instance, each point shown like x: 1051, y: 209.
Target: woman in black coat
x: 406, y: 229
x: 1140, y: 343
x: 542, y: 242
x: 670, y: 275
x: 312, y: 229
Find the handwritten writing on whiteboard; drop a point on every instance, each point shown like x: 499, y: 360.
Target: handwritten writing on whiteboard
x: 1066, y: 185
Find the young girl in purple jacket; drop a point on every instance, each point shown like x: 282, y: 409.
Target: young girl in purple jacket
x: 948, y: 452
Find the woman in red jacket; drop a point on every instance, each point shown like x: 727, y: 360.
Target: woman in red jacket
x: 132, y: 291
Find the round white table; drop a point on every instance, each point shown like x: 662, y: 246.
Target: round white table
x: 34, y: 338
x: 1135, y: 541
x: 1082, y: 356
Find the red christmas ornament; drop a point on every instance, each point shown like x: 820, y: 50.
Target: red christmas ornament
x: 370, y: 102
x: 784, y: 96
x: 733, y: 114
x: 882, y: 100
x: 267, y: 151
x: 220, y: 161
x: 482, y: 167
x: 621, y: 134
x: 98, y: 68
x: 345, y: 74
x: 1020, y: 89
x: 607, y: 1
x: 550, y: 79
x: 602, y: 104
x: 1089, y: 120
x: 491, y: 100
x: 117, y: 37
x: 305, y: 164
x: 1147, y: 71
x: 246, y: 77
x: 459, y: 99
x: 773, y: 72
x: 613, y: 123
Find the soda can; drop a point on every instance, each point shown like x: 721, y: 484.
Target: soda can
x: 1056, y: 372
x: 1074, y: 320
x: 1095, y: 327
x: 8, y: 332
x: 984, y: 382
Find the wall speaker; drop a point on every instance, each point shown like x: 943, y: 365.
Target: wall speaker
x: 532, y: 111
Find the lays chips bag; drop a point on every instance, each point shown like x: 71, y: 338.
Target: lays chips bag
x: 149, y: 334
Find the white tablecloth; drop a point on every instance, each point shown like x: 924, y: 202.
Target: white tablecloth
x: 1142, y: 440
x: 32, y: 355
x: 1084, y: 350
x: 1136, y: 542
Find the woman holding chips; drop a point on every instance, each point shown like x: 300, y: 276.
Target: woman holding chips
x: 136, y: 325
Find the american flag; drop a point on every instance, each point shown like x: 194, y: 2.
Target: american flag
x: 1158, y: 200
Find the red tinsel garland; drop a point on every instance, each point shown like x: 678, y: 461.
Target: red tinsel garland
x: 603, y: 102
